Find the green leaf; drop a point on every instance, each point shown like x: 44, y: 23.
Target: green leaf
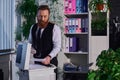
x: 28, y: 9
x: 91, y: 76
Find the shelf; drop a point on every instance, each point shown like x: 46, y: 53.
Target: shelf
x: 76, y: 33
x: 82, y: 72
x: 76, y: 53
x: 79, y: 35
x: 77, y: 15
x: 99, y: 12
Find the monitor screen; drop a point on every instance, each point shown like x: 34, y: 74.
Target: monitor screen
x: 23, y: 55
x: 19, y: 52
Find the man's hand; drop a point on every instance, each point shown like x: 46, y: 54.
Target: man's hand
x: 33, y: 51
x: 46, y: 60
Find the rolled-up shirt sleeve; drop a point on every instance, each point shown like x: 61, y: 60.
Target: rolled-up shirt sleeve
x: 56, y: 41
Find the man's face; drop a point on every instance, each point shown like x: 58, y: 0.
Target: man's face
x: 42, y: 17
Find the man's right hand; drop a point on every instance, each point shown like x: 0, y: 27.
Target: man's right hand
x: 33, y: 51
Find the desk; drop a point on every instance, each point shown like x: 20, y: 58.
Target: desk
x: 5, y: 65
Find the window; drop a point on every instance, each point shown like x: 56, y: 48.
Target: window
x: 7, y: 24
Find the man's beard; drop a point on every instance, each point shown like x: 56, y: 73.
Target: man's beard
x: 42, y: 24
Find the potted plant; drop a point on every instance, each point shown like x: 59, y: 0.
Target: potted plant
x: 108, y: 63
x: 98, y: 5
x: 27, y: 9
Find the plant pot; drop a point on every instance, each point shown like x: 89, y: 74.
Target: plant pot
x: 100, y: 7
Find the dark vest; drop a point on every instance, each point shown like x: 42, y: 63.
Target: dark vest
x: 43, y: 45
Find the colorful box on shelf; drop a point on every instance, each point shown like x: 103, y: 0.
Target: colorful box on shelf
x: 69, y: 6
x: 75, y: 6
x: 75, y: 25
x: 71, y: 44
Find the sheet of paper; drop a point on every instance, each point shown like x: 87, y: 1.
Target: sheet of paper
x: 35, y: 59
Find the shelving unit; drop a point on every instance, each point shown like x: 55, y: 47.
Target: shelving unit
x: 81, y: 47
x: 76, y: 25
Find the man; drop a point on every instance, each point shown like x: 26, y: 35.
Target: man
x: 45, y: 37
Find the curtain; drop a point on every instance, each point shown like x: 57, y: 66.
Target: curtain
x: 7, y: 24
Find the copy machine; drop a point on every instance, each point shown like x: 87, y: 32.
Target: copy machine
x: 29, y: 70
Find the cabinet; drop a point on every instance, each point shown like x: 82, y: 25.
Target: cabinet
x: 5, y: 66
x: 81, y: 46
x: 76, y: 31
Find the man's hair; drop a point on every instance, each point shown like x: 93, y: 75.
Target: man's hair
x: 43, y: 7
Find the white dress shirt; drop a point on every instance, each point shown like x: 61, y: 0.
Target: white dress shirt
x: 56, y: 40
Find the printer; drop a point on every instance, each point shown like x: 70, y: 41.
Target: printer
x: 27, y: 69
